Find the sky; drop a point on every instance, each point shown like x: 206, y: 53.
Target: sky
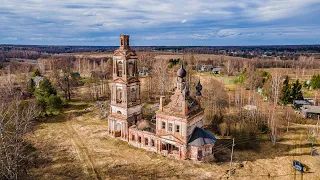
x: 160, y: 22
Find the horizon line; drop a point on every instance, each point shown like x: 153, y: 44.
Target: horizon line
x: 164, y: 45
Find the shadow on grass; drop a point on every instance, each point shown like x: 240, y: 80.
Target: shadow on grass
x: 135, y: 171
x: 70, y: 110
x: 74, y: 106
x: 42, y: 165
x: 262, y: 149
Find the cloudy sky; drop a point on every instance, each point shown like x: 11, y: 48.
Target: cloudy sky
x: 160, y: 22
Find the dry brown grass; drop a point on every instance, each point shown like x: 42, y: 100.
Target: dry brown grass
x: 293, y: 73
x: 91, y: 54
x: 79, y: 148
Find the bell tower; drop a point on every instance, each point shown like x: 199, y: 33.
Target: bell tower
x: 124, y: 42
x: 125, y: 106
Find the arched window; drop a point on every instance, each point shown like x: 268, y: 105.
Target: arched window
x: 119, y: 112
x: 119, y: 95
x: 131, y: 69
x: 120, y: 69
x: 133, y: 94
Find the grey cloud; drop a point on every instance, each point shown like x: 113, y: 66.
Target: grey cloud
x: 79, y: 18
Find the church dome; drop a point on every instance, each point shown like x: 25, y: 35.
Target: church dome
x: 198, y: 88
x: 186, y: 91
x: 143, y: 125
x: 181, y: 72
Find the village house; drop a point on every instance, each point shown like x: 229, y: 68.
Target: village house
x: 309, y: 111
x: 177, y: 131
x: 216, y: 70
x: 209, y: 68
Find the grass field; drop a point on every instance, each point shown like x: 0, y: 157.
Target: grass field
x: 75, y: 145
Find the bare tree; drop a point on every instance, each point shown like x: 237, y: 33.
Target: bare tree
x: 146, y: 60
x: 159, y: 72
x: 215, y: 99
x: 229, y: 66
x: 15, y: 120
x: 275, y: 89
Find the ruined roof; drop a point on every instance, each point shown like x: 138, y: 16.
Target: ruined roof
x: 311, y: 109
x: 186, y: 91
x: 182, y: 104
x: 302, y: 102
x: 143, y: 125
x: 126, y: 52
x: 201, y: 137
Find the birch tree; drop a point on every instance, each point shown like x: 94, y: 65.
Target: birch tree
x: 275, y: 89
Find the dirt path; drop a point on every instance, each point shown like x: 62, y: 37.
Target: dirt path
x: 82, y: 152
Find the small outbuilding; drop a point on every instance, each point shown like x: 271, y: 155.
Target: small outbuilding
x: 201, y: 144
x: 309, y: 111
x: 216, y: 70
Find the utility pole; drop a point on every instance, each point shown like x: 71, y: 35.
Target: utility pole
x: 318, y: 125
x: 231, y: 157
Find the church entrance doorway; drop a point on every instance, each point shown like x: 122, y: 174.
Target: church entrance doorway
x: 118, y: 130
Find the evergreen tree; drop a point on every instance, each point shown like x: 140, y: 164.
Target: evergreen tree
x: 46, y: 88
x: 54, y: 103
x: 31, y: 86
x: 36, y: 73
x: 296, y: 92
x: 47, y: 97
x: 285, y: 92
x: 315, y: 82
x: 241, y: 77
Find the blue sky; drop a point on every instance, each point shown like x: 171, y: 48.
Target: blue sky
x: 160, y: 22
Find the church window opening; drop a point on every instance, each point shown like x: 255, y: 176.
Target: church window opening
x: 170, y: 127
x: 163, y: 125
x: 177, y: 128
x: 120, y: 69
x: 133, y: 95
x: 119, y: 95
x: 131, y: 69
x: 146, y: 141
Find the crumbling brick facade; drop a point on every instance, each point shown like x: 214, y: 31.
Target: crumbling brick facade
x: 178, y: 129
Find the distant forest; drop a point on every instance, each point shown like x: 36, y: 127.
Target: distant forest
x: 284, y: 52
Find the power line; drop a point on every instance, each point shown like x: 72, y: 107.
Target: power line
x: 226, y: 146
x: 231, y: 157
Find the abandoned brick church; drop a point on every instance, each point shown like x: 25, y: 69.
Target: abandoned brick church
x: 178, y: 128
